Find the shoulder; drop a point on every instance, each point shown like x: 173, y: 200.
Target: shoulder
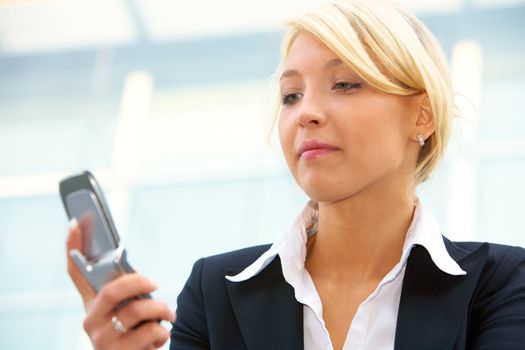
x: 239, y: 258
x: 216, y: 267
x: 496, y: 310
x: 497, y: 255
x: 208, y: 273
x: 501, y: 277
x: 501, y: 263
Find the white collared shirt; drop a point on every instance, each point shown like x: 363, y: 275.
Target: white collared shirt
x: 374, y: 324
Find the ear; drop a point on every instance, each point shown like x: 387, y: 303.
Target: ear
x: 425, y: 118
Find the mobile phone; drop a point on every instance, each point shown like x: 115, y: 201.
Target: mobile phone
x: 102, y: 258
x: 83, y: 200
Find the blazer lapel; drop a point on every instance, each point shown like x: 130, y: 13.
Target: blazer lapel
x: 268, y: 314
x: 434, y: 305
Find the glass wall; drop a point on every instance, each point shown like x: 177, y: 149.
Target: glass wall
x: 170, y: 106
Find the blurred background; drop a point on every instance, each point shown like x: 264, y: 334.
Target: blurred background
x: 169, y: 104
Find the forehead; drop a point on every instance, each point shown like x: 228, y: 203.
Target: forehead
x: 307, y: 48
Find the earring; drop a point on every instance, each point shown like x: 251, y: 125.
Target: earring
x: 420, y: 139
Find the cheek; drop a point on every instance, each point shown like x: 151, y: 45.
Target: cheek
x: 286, y: 138
x: 384, y: 148
x: 376, y: 139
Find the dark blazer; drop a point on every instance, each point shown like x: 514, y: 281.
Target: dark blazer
x: 484, y: 309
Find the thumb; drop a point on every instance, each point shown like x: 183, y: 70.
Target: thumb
x: 74, y: 241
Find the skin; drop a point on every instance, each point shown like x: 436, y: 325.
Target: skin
x: 365, y: 187
x: 100, y: 307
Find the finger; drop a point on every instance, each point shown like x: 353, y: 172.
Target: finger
x: 74, y: 241
x: 113, y: 293
x: 144, y: 310
x: 103, y: 334
x: 147, y: 335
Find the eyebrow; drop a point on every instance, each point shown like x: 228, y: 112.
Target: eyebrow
x: 293, y: 72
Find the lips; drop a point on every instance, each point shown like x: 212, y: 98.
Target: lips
x: 314, y: 149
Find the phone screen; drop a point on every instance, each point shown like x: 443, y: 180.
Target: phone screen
x: 96, y: 235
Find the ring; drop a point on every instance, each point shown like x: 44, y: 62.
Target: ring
x: 119, y: 327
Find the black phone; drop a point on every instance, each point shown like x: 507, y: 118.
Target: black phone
x: 102, y: 258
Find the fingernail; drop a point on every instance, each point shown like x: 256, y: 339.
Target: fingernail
x: 153, y: 284
x: 173, y: 316
x: 73, y: 224
x: 166, y: 324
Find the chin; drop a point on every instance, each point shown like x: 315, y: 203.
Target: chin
x: 324, y: 190
x: 329, y: 194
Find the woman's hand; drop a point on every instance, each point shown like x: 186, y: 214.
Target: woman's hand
x: 133, y: 326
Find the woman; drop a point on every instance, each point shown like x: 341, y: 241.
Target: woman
x: 365, y: 113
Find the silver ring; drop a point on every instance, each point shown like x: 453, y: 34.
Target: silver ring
x: 119, y: 327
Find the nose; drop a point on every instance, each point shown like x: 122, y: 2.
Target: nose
x: 311, y: 113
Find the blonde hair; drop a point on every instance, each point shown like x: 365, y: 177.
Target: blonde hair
x: 392, y: 51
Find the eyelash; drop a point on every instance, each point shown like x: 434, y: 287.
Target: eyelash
x: 348, y: 84
x: 285, y: 100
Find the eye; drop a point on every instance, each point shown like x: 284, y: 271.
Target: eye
x: 290, y: 98
x: 345, y: 85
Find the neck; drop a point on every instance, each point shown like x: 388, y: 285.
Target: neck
x: 360, y: 237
